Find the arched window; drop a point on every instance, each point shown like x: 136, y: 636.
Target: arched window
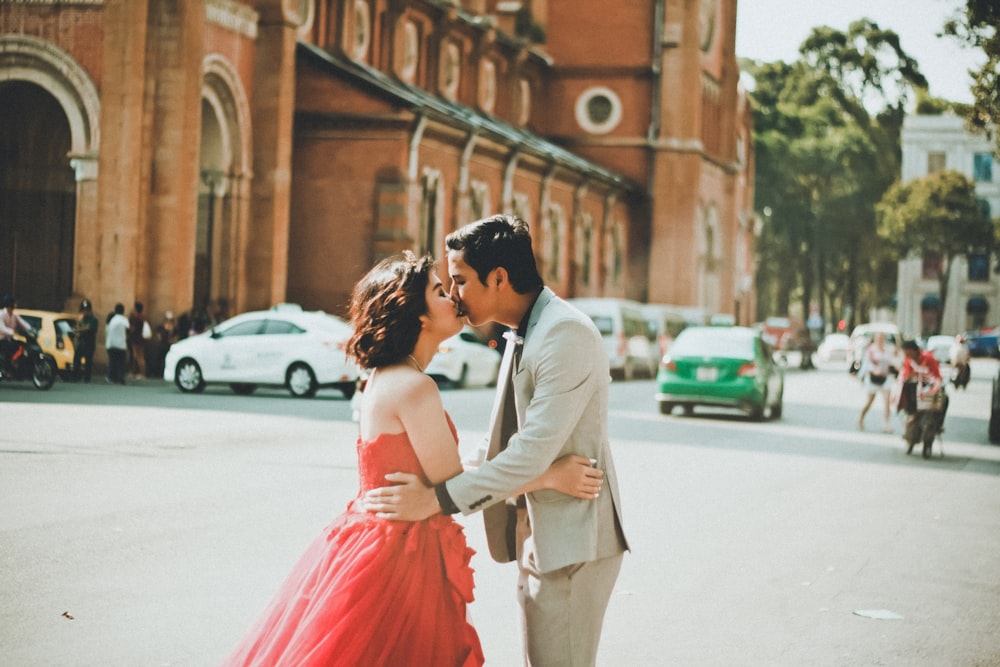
x: 407, y: 50
x: 362, y: 31
x: 487, y: 85
x: 449, y: 70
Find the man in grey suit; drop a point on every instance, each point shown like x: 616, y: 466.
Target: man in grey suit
x: 552, y: 400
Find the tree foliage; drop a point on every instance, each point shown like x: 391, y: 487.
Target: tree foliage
x: 827, y: 147
x: 936, y: 216
x: 979, y: 26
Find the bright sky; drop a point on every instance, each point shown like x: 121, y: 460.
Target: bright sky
x: 771, y: 30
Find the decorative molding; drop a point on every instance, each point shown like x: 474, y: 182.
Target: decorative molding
x: 27, y: 58
x: 233, y: 16
x: 51, y: 2
x: 84, y: 166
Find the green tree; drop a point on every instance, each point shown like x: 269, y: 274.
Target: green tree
x: 979, y: 26
x: 827, y: 147
x: 936, y: 216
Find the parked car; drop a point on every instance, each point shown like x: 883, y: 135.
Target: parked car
x: 833, y: 347
x: 631, y: 344
x: 863, y: 334
x: 983, y: 342
x: 940, y: 346
x: 465, y: 360
x: 55, y: 335
x: 282, y: 347
x: 731, y: 367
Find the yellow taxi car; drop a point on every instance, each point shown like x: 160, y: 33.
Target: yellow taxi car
x: 54, y: 335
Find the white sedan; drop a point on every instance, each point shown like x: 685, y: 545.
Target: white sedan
x: 465, y: 360
x: 282, y: 347
x: 834, y: 347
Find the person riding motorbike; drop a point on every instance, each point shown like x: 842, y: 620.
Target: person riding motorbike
x: 959, y: 357
x: 920, y: 369
x: 10, y: 324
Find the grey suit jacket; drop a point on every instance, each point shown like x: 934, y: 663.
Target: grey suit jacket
x: 561, y: 393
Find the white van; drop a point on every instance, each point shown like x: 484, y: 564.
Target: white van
x: 629, y: 340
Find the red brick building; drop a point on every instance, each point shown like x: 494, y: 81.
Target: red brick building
x: 244, y: 153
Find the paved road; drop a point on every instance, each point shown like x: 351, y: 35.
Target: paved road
x: 161, y: 524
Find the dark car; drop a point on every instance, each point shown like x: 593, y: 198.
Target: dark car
x: 730, y: 367
x: 983, y: 342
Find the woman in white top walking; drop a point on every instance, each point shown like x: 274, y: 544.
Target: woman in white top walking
x: 874, y: 375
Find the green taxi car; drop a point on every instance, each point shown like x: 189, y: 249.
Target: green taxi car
x: 721, y: 367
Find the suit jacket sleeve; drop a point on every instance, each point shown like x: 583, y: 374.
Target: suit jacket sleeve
x: 554, y: 383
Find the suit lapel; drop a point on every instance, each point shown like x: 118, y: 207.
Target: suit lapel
x: 504, y: 395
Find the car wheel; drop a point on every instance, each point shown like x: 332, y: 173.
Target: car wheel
x: 188, y: 378
x: 776, y: 409
x: 666, y: 408
x: 348, y: 389
x: 301, y: 381
x: 688, y: 410
x: 242, y: 389
x: 463, y: 377
x: 757, y: 411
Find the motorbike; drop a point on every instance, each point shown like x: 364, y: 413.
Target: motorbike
x: 926, y: 403
x: 28, y: 361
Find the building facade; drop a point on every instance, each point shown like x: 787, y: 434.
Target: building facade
x: 931, y: 144
x: 227, y: 155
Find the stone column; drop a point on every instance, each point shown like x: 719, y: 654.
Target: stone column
x: 273, y: 101
x: 85, y: 278
x: 123, y: 170
x: 150, y: 128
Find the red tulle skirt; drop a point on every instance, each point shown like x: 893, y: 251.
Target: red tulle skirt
x: 370, y: 592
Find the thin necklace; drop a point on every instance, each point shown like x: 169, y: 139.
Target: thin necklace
x: 416, y: 363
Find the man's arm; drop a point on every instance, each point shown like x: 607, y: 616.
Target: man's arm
x: 408, y: 499
x: 411, y: 500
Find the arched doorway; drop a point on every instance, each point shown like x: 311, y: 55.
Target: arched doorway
x: 49, y: 142
x: 224, y: 173
x: 37, y: 197
x: 213, y: 168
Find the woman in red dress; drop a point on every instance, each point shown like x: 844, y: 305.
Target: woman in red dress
x: 368, y: 591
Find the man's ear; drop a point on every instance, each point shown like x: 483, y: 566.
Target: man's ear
x: 499, y: 276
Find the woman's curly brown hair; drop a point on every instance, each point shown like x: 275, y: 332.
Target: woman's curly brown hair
x: 386, y: 309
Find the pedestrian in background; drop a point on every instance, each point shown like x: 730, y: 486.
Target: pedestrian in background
x: 163, y: 337
x: 138, y: 333
x: 84, y: 343
x: 874, y: 375
x: 116, y: 343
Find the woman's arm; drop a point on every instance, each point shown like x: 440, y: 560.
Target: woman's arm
x: 422, y: 414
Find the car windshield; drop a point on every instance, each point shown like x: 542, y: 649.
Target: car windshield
x: 713, y: 342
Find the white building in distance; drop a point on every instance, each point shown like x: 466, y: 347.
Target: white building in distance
x: 931, y: 144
